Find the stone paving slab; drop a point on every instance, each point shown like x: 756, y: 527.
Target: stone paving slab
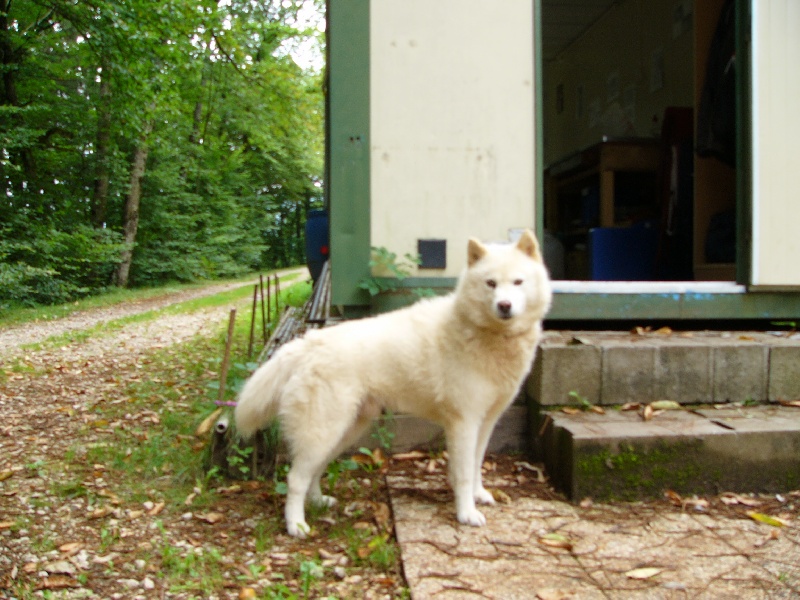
x: 703, y: 450
x: 516, y: 556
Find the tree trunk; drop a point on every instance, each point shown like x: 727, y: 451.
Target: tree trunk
x: 131, y: 223
x: 102, y: 174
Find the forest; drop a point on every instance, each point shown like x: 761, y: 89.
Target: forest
x: 145, y: 141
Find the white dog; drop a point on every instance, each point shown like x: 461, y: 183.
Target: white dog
x: 458, y: 360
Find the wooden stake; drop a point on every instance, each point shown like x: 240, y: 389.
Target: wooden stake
x: 252, y: 322
x: 223, y: 376
x: 269, y: 299
x: 277, y: 294
x: 263, y: 317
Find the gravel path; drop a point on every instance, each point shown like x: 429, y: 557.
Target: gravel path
x: 165, y: 330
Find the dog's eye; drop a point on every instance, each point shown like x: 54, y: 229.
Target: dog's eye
x: 518, y: 282
x: 491, y: 283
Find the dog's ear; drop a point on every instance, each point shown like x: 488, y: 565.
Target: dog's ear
x: 475, y: 251
x: 528, y: 245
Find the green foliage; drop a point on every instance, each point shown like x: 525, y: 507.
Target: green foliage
x: 389, y: 271
x: 55, y: 266
x: 233, y: 126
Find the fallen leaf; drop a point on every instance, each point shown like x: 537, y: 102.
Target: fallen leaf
x: 156, y: 509
x: 6, y: 525
x: 70, y: 547
x: 664, y: 330
x: 378, y: 457
x: 556, y: 540
x: 647, y: 413
x: 413, y: 455
x: 569, y: 410
x: 501, y: 496
x: 57, y: 582
x: 538, y: 471
x: 207, y: 423
x: 597, y: 409
x: 234, y: 489
x: 5, y: 474
x: 247, y: 594
x: 586, y: 503
x: 731, y: 499
x: 552, y: 594
x: 792, y: 403
x: 631, y: 406
x: 99, y: 513
x: 643, y: 573
x: 382, y: 514
x: 773, y: 535
x: 213, y: 517
x: 674, y: 497
x: 761, y: 517
x: 190, y: 498
x: 665, y: 405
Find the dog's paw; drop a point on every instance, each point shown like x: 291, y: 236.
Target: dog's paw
x: 298, y: 529
x: 484, y: 496
x: 324, y: 501
x: 472, y: 517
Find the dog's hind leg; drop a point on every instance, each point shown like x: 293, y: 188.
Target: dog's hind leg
x: 299, y: 480
x: 364, y: 420
x: 314, y: 445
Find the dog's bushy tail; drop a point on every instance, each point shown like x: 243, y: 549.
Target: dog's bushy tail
x: 259, y: 399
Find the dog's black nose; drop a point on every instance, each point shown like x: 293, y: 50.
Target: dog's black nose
x: 504, y: 309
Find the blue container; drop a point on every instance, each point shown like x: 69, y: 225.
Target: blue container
x: 623, y: 253
x: 317, y: 241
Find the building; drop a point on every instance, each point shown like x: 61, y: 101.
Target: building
x: 649, y: 144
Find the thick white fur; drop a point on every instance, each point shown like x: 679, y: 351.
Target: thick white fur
x: 458, y: 360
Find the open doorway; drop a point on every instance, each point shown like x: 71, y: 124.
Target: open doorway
x: 639, y: 137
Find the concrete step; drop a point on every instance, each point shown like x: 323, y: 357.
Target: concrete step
x: 619, y: 455
x: 610, y: 367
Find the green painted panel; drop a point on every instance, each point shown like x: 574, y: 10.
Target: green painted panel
x: 596, y: 306
x: 539, y: 117
x: 744, y: 156
x: 347, y: 148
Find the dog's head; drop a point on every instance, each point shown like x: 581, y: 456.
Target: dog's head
x: 505, y: 285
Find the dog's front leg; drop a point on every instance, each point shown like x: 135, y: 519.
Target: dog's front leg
x: 462, y: 441
x: 482, y: 495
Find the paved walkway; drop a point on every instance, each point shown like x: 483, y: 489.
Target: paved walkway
x: 536, y: 545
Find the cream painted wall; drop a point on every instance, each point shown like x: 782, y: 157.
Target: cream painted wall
x: 631, y: 64
x: 776, y: 133
x: 452, y: 123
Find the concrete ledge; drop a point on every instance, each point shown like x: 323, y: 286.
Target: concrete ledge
x: 561, y: 368
x: 612, y: 367
x: 412, y: 433
x: 618, y: 455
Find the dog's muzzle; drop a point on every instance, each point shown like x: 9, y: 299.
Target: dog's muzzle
x: 504, y: 309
